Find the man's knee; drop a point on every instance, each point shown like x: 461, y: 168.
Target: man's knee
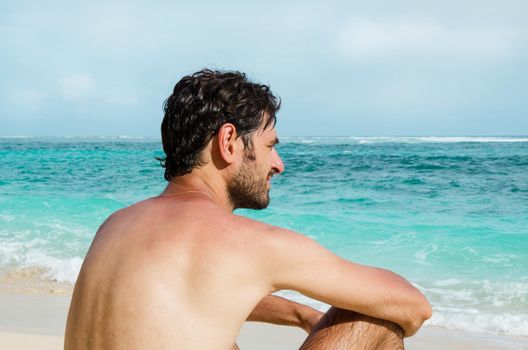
x: 344, y: 329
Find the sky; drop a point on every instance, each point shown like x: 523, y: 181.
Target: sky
x: 341, y: 68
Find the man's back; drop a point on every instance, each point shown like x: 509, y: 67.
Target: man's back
x: 170, y: 272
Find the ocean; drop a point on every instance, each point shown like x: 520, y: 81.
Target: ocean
x: 448, y: 213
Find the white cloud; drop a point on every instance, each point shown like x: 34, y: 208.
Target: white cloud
x: 77, y: 86
x: 364, y: 38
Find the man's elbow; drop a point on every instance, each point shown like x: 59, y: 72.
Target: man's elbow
x: 416, y: 303
x: 423, y: 311
x: 427, y: 310
x: 420, y: 313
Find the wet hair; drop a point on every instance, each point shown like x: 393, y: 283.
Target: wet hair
x: 200, y: 104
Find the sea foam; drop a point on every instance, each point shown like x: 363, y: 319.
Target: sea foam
x: 23, y: 255
x: 504, y: 323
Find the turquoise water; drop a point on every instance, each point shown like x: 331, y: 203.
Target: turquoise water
x: 449, y: 214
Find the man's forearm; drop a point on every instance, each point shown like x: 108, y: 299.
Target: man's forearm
x: 277, y: 310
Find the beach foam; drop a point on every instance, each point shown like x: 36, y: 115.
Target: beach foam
x: 504, y: 323
x: 55, y: 269
x: 49, y: 267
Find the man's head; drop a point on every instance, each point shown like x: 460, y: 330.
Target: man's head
x: 200, y: 108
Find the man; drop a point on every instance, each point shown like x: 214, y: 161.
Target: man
x: 181, y: 271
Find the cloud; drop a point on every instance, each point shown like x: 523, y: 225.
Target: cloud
x: 77, y: 86
x: 363, y: 38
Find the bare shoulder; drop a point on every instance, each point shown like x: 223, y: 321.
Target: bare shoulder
x: 279, y: 247
x: 147, y: 213
x: 270, y: 235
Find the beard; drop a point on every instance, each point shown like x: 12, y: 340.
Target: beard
x: 247, y: 189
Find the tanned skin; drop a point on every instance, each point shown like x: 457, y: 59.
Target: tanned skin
x: 181, y: 271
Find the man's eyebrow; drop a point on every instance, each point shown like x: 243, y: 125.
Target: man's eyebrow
x: 274, y: 142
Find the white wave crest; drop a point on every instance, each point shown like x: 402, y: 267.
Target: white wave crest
x: 60, y: 270
x: 471, y: 139
x: 437, y: 139
x: 367, y: 140
x: 31, y: 254
x: 504, y: 323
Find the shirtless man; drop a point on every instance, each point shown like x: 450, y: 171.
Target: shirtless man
x: 181, y: 271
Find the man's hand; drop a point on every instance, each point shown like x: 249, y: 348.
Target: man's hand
x: 281, y: 311
x: 309, y: 318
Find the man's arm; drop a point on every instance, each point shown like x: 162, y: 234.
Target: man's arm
x: 297, y: 262
x: 277, y: 310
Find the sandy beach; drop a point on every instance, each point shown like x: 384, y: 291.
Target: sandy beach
x: 34, y: 315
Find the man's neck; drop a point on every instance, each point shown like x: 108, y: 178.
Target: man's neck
x: 195, y: 184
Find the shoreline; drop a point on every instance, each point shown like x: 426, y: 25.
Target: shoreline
x: 31, y: 281
x: 35, y: 310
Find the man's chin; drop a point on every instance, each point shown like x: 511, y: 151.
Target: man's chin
x: 255, y: 200
x: 259, y: 204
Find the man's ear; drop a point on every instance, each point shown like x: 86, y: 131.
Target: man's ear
x: 228, y: 144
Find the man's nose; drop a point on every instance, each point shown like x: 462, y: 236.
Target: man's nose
x: 276, y: 163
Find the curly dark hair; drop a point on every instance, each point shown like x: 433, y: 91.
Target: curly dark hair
x: 202, y: 102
